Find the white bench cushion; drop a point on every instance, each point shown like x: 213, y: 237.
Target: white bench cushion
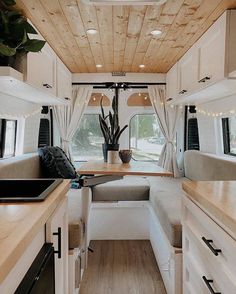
x: 128, y: 189
x: 165, y: 197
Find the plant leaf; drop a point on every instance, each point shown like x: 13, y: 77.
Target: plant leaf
x: 105, y: 129
x: 34, y: 45
x: 24, y: 40
x: 9, y: 2
x: 6, y: 50
x: 121, y: 131
x: 29, y: 28
x: 11, y: 13
x: 102, y: 110
x: 115, y: 135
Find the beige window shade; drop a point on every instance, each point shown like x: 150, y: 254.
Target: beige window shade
x: 96, y: 98
x: 139, y: 99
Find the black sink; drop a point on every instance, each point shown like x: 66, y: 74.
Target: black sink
x: 21, y: 190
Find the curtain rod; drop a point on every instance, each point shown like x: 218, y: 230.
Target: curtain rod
x: 106, y: 85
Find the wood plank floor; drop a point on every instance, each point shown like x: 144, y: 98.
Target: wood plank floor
x: 122, y: 267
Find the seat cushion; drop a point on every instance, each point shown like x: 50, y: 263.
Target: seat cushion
x: 127, y: 189
x: 165, y: 197
x: 200, y: 166
x: 25, y: 166
x: 75, y: 229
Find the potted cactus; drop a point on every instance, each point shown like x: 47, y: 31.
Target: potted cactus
x: 110, y: 128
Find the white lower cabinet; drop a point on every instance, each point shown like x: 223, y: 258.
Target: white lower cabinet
x: 57, y: 233
x: 209, y: 260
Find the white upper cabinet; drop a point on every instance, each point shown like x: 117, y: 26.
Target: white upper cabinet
x: 64, y: 81
x: 188, y: 71
x: 212, y: 53
x: 41, y: 69
x: 172, y: 84
x: 42, y: 78
x: 207, y: 71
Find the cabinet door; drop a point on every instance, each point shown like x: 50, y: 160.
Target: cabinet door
x: 188, y: 71
x: 57, y: 233
x: 41, y: 69
x: 172, y: 85
x: 212, y: 53
x: 64, y: 81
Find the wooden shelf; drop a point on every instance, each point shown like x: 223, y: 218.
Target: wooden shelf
x: 11, y: 83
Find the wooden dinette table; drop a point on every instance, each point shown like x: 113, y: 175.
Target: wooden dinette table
x: 98, y: 172
x: 134, y: 168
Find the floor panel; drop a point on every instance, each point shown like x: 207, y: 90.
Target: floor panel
x: 122, y: 267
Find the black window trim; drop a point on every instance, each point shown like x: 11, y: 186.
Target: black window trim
x: 3, y: 137
x: 226, y: 136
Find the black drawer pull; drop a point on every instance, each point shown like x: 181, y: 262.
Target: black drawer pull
x: 208, y: 284
x: 183, y: 91
x: 47, y: 86
x: 208, y: 244
x: 204, y: 79
x: 58, y: 234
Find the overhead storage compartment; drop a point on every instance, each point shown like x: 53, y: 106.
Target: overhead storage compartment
x: 11, y: 83
x: 208, y: 70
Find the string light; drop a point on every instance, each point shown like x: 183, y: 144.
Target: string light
x: 215, y: 114
x: 10, y: 116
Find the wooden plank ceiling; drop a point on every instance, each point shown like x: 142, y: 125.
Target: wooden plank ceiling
x: 123, y: 41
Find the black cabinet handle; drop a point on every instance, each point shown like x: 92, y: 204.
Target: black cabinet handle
x: 208, y: 244
x: 204, y: 79
x: 47, y: 86
x: 183, y: 91
x: 208, y: 284
x: 58, y: 234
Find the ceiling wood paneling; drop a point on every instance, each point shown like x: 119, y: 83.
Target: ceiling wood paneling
x: 123, y: 41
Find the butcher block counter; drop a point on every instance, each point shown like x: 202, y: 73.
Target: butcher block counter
x: 21, y: 222
x: 209, y: 237
x: 217, y: 199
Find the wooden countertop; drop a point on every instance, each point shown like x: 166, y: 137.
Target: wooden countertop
x: 218, y: 199
x: 134, y: 168
x: 20, y: 223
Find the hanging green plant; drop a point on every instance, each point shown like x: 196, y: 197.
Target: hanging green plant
x: 14, y: 34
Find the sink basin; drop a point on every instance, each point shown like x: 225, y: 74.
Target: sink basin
x: 22, y: 190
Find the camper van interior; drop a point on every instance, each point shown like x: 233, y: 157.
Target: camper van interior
x: 118, y: 146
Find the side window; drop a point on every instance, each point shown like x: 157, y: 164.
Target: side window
x: 193, y: 138
x: 7, y: 137
x: 87, y: 141
x: 191, y: 129
x: 146, y: 139
x: 46, y: 127
x: 229, y: 135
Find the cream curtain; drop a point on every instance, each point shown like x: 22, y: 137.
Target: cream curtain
x: 167, y: 117
x: 68, y: 117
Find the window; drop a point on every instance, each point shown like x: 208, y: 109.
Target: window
x: 229, y: 135
x: 7, y: 138
x: 193, y: 137
x: 146, y: 138
x: 88, y: 139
